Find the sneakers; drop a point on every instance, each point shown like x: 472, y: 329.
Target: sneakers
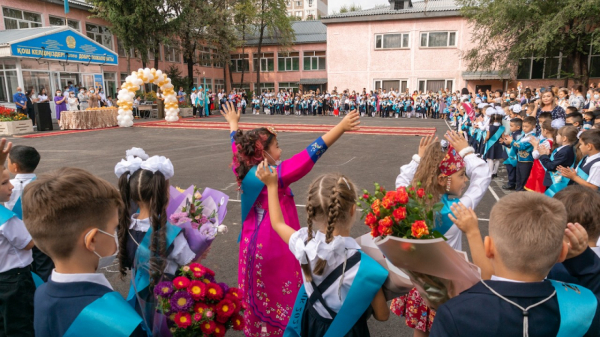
x: 508, y: 187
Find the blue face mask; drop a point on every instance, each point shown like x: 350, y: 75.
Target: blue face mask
x: 588, y: 96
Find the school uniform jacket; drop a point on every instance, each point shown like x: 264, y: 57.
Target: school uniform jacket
x: 565, y: 156
x: 479, y: 312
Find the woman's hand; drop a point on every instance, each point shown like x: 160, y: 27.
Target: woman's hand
x: 351, y: 121
x: 266, y: 174
x: 457, y: 141
x: 424, y: 143
x: 232, y: 116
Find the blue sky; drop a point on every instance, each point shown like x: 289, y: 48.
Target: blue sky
x: 334, y: 5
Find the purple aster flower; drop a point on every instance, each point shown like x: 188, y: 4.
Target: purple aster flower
x: 163, y: 289
x: 181, y: 301
x: 224, y: 286
x: 210, y: 278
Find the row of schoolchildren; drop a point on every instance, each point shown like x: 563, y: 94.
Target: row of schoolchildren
x: 540, y: 154
x: 83, y: 223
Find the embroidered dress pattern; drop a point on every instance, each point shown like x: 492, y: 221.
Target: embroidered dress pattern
x: 413, y: 308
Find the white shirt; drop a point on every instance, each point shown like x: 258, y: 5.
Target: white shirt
x: 594, y: 176
x: 345, y: 248
x: 97, y: 278
x: 19, y: 183
x: 13, y: 238
x: 73, y: 102
x: 42, y: 98
x: 181, y: 254
x: 498, y: 278
x: 479, y: 173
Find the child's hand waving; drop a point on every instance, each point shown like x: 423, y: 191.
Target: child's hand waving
x: 232, y: 116
x: 578, y: 239
x: 457, y: 141
x: 4, y: 150
x: 464, y: 218
x: 424, y: 143
x: 266, y: 174
x: 351, y: 122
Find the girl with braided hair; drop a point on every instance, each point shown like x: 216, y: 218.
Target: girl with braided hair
x: 268, y: 274
x: 148, y: 244
x: 341, y: 285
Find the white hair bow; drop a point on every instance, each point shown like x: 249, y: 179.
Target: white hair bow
x: 159, y: 163
x: 136, y: 152
x: 300, y: 251
x: 558, y: 123
x: 326, y: 251
x: 130, y: 165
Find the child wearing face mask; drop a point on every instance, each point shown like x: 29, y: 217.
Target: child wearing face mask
x: 80, y: 239
x: 443, y: 174
x: 73, y: 102
x: 16, y: 282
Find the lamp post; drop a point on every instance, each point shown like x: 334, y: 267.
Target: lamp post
x: 205, y: 95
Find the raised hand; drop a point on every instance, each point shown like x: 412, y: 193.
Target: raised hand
x: 5, y: 150
x: 351, y: 121
x: 457, y: 140
x: 231, y: 114
x: 535, y: 142
x: 578, y: 239
x: 424, y: 143
x: 464, y: 218
x: 266, y: 174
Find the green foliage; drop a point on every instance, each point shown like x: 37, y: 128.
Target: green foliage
x: 505, y: 31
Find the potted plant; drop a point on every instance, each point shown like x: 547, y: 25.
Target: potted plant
x: 13, y: 123
x: 185, y: 110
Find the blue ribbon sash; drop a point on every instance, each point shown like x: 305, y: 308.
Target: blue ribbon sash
x: 558, y: 181
x: 494, y: 139
x: 443, y: 222
x: 6, y: 214
x: 251, y: 188
x: 109, y: 315
x: 577, y: 306
x: 18, y: 207
x: 369, y: 279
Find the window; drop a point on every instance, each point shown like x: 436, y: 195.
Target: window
x: 99, y: 34
x: 314, y: 60
x: 267, y: 62
x: 310, y: 3
x: 298, y: 14
x: 288, y: 85
x: 56, y: 21
x: 239, y: 62
x: 172, y: 54
x: 298, y: 3
x: 216, y: 59
x: 438, y: 39
x: 595, y: 63
x: 288, y: 61
x: 204, y: 58
x: 267, y: 87
x: 388, y: 85
x: 17, y: 19
x: 543, y: 68
x: 219, y: 85
x: 391, y: 41
x: 435, y: 85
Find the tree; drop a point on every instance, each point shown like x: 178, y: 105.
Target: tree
x: 505, y: 31
x: 272, y: 21
x: 244, y: 15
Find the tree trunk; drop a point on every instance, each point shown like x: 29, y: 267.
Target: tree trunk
x: 128, y: 62
x: 260, y: 41
x: 225, y: 77
x: 230, y: 75
x: 156, y: 54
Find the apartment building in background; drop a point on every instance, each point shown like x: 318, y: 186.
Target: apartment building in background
x: 307, y: 9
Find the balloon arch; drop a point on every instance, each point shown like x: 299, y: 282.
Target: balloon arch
x: 132, y: 84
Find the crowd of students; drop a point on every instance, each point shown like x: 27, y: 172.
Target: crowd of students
x: 315, y: 281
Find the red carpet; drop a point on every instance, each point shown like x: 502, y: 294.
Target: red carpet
x: 370, y: 130
x: 58, y: 133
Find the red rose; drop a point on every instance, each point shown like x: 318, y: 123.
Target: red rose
x: 399, y: 214
x: 401, y: 196
x: 374, y: 232
x: 383, y: 230
x: 181, y: 282
x: 420, y: 193
x: 376, y: 206
x: 386, y: 204
x: 419, y: 228
x: 371, y: 219
x: 365, y: 196
x: 386, y: 222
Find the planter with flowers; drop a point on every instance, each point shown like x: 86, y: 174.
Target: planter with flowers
x: 13, y: 123
x: 403, y: 227
x: 186, y: 110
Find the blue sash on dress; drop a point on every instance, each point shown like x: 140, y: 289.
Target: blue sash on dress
x: 251, y: 188
x: 443, y: 225
x: 558, y: 181
x: 493, y: 139
x: 577, y: 306
x: 18, y: 207
x: 109, y: 315
x: 369, y: 279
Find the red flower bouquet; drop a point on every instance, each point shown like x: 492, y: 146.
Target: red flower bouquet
x: 195, y: 305
x: 402, y: 224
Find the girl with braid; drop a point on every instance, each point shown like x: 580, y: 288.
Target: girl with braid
x: 148, y: 245
x: 342, y: 286
x: 268, y: 275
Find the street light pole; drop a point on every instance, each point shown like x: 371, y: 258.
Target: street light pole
x: 206, y: 107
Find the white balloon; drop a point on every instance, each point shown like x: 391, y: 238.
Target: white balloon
x: 168, y: 86
x: 159, y: 72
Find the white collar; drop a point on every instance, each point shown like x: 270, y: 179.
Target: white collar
x: 498, y: 278
x: 560, y: 148
x: 25, y: 176
x: 349, y: 243
x: 592, y: 157
x: 97, y: 278
x: 139, y: 224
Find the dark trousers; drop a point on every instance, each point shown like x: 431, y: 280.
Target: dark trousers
x: 523, y: 171
x: 512, y: 175
x: 16, y: 303
x: 194, y: 110
x: 31, y: 115
x: 42, y: 264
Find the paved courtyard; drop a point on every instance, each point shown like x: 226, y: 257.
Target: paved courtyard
x: 201, y: 155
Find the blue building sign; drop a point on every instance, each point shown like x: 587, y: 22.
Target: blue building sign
x: 67, y: 45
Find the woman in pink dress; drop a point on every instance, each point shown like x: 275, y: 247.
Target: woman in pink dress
x: 268, y: 273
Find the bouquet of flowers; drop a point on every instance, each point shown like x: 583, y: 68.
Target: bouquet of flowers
x: 199, y: 215
x: 193, y: 304
x: 402, y: 226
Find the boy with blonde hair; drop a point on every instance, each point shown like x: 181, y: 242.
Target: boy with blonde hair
x: 77, y: 227
x: 527, y: 232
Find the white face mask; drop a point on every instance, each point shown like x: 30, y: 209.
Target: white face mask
x: 277, y: 162
x: 596, y: 96
x: 105, y: 261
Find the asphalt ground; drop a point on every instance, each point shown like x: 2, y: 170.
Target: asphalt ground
x: 203, y: 157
